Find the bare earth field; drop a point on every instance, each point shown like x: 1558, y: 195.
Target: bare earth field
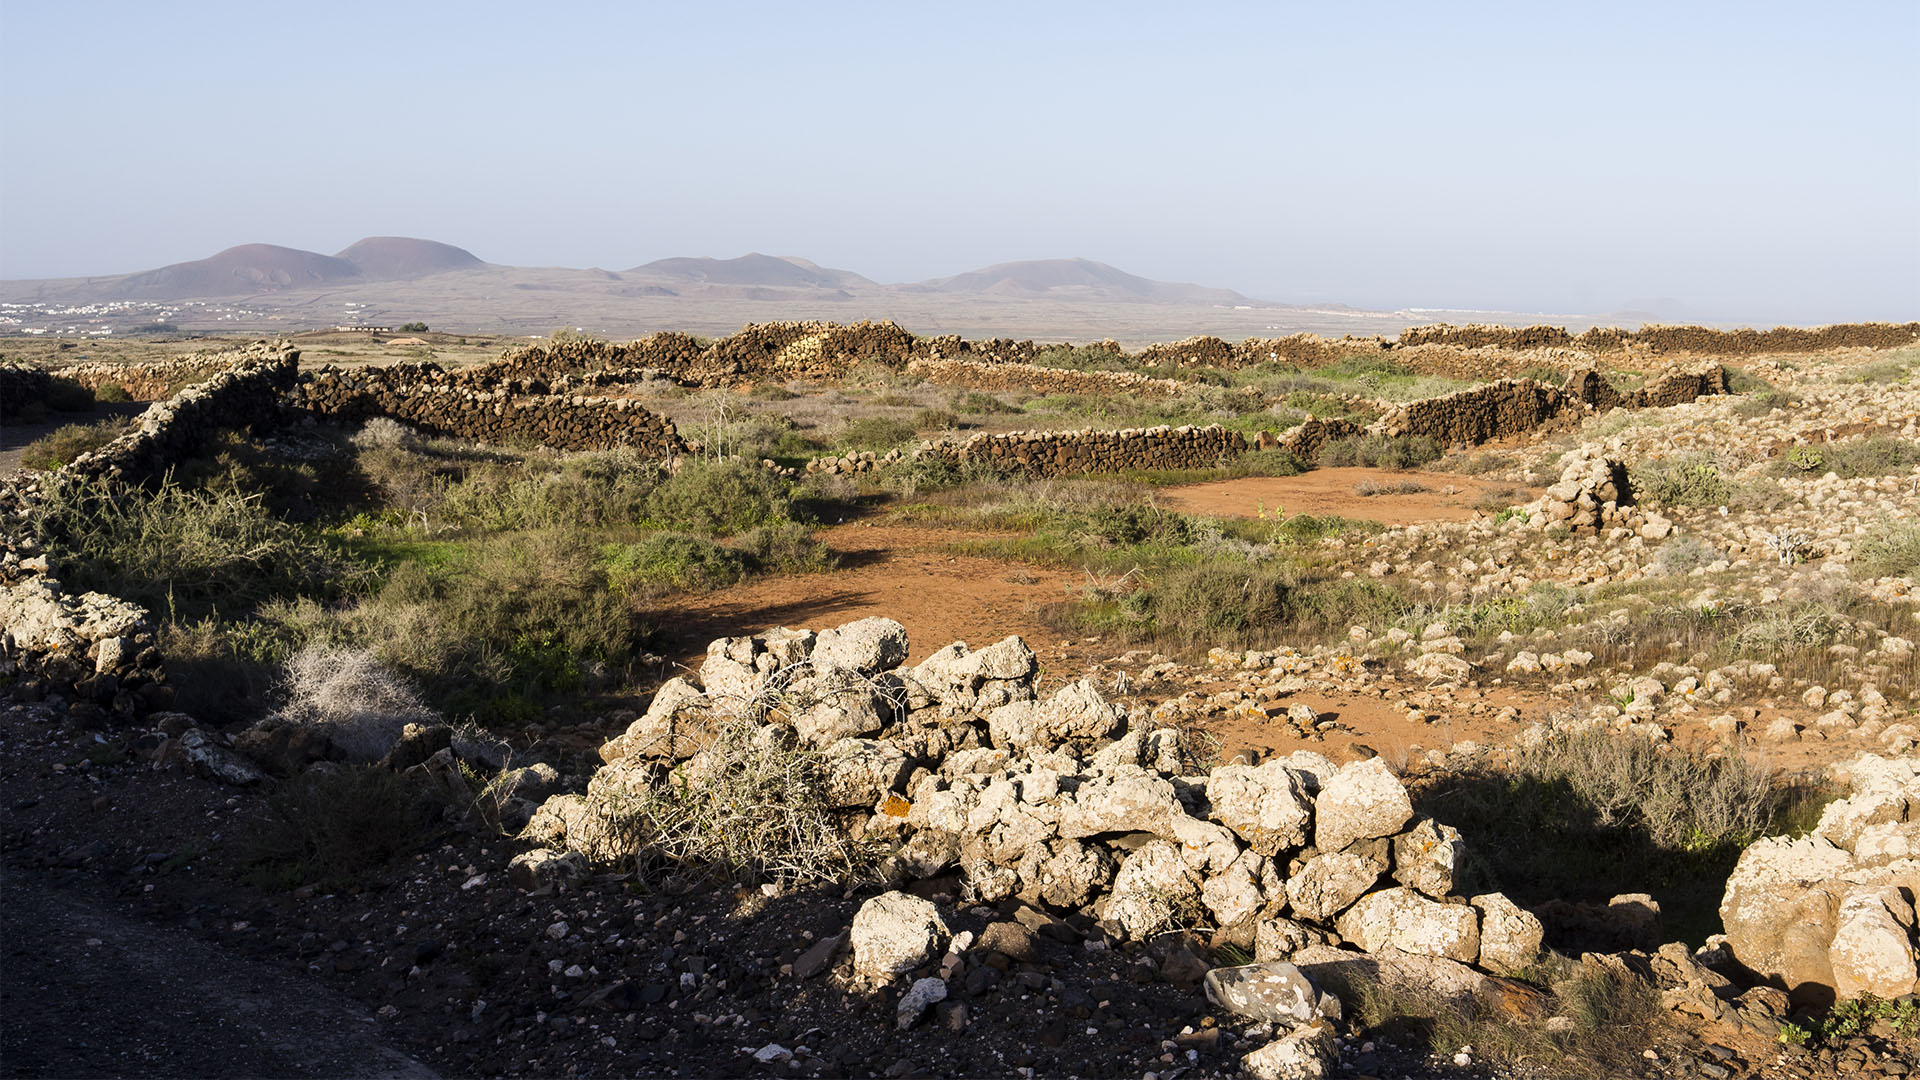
x: 480, y: 757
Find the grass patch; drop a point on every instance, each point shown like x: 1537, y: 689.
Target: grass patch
x: 1890, y: 548
x: 1380, y: 452
x: 183, y: 551
x: 1588, y: 815
x: 69, y: 441
x: 1877, y: 455
x: 1684, y: 480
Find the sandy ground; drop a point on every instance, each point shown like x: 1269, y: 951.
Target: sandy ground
x: 1450, y: 497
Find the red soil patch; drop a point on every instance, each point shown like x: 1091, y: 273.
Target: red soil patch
x: 899, y: 572
x: 1450, y: 497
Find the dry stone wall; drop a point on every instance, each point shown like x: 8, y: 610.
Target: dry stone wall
x: 247, y: 390
x: 438, y: 404
x: 154, y: 381
x: 1065, y: 453
x: 1691, y: 339
x: 21, y: 385
x: 980, y: 375
x: 1470, y: 417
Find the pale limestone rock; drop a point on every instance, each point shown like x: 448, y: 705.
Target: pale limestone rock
x: 1330, y: 883
x: 1510, y: 936
x: 1403, y: 919
x: 1266, y: 805
x: 893, y: 933
x: 1361, y: 801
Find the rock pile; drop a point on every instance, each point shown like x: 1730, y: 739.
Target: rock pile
x: 97, y: 649
x: 1068, y: 803
x: 1832, y: 913
x: 1059, y: 453
x: 1590, y: 494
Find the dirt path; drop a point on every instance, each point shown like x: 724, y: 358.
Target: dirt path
x: 1449, y: 496
x: 85, y: 991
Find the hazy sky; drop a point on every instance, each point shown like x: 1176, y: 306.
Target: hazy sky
x: 1750, y: 160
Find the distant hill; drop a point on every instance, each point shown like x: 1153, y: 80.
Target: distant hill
x: 401, y: 258
x: 754, y: 270
x: 1075, y: 279
x: 249, y: 268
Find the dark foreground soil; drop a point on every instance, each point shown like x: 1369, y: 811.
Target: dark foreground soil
x: 133, y: 946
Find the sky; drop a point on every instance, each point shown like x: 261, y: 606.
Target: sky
x: 1706, y: 160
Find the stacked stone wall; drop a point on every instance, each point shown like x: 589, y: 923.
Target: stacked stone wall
x: 154, y: 381
x: 439, y: 405
x: 981, y: 375
x: 1690, y: 339
x: 246, y: 391
x: 20, y: 386
x: 1470, y: 417
x: 1064, y: 453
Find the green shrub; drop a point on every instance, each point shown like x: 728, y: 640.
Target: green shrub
x: 790, y: 548
x: 974, y: 402
x: 1380, y: 452
x: 673, y: 559
x: 184, y: 551
x: 719, y: 498
x: 69, y: 441
x: 876, y: 433
x: 935, y: 420
x: 1209, y: 602
x: 112, y: 393
x: 1877, y: 455
x: 413, y: 328
x: 1681, y: 554
x: 1689, y: 480
x: 1890, y: 548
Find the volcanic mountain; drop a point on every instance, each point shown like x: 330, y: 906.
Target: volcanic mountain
x: 249, y: 268
x: 402, y: 258
x: 1075, y: 279
x: 754, y: 269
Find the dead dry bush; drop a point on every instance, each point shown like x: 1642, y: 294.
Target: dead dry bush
x: 360, y: 703
x: 750, y: 807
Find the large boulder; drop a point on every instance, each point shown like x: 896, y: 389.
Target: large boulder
x: 1510, y: 936
x: 1363, y: 800
x: 1426, y: 856
x: 1305, y: 1053
x: 895, y: 933
x: 1330, y: 883
x: 1154, y: 891
x: 1128, y: 801
x: 678, y: 712
x: 861, y: 771
x: 1265, y: 805
x: 866, y: 646
x: 1275, y: 992
x: 1872, y: 950
x: 963, y: 682
x: 1831, y: 913
x: 1077, y: 711
x: 1403, y: 919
